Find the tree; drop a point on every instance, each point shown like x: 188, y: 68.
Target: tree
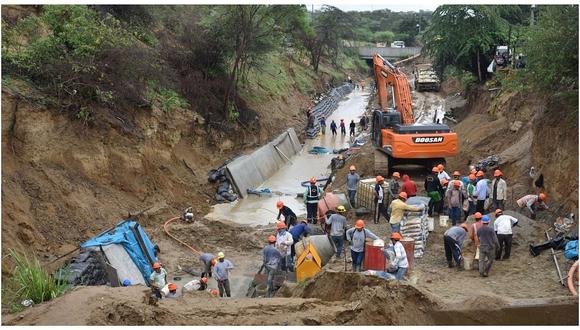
x: 552, y: 48
x: 464, y: 36
x: 384, y: 36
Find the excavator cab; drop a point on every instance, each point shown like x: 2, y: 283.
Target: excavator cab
x: 383, y: 119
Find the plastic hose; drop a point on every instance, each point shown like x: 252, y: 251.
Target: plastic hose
x: 571, y: 285
x: 165, y: 228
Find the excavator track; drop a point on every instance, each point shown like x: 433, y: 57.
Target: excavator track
x: 382, y: 163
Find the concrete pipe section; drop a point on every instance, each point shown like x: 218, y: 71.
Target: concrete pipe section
x: 285, y: 183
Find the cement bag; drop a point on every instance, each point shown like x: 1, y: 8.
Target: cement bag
x: 411, y: 221
x: 165, y: 290
x: 410, y: 227
x: 390, y: 258
x: 418, y: 200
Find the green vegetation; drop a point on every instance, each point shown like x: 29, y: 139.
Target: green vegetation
x: 464, y: 38
x: 386, y: 26
x: 29, y: 280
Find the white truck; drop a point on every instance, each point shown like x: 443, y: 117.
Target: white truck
x: 398, y: 44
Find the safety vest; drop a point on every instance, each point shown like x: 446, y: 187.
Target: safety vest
x: 313, y: 194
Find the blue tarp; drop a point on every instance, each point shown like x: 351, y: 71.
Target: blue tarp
x: 128, y: 233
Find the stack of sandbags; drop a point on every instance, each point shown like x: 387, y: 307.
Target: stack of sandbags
x: 414, y: 225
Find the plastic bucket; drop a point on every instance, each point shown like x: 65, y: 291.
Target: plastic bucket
x: 443, y: 219
x: 323, y: 244
x: 430, y: 223
x: 467, y: 263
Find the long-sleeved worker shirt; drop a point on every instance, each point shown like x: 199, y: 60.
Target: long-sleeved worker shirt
x: 409, y: 187
x: 432, y: 183
x: 271, y: 256
x: 221, y: 270
x: 457, y: 233
x: 487, y: 237
x: 299, y: 230
x: 499, y: 189
x: 481, y: 190
x: 352, y: 181
x: 443, y: 175
x: 394, y: 188
x: 312, y: 194
x: 358, y: 238
x: 285, y: 211
x: 398, y: 207
x: 455, y: 198
x: 337, y: 224
x: 379, y: 193
x: 206, y: 259
x: 400, y: 256
x: 503, y: 224
x: 284, y: 242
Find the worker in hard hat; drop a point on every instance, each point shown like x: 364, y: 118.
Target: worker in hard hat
x: 471, y: 197
x: 498, y: 190
x: 456, y: 178
x: 481, y: 191
x: 312, y: 195
x: 208, y: 260
x: 395, y: 185
x: 380, y: 200
x: 352, y: 128
x: 453, y: 240
x: 455, y: 199
x: 352, y: 180
x: 441, y: 174
x: 473, y: 233
x: 157, y: 279
x: 337, y: 224
x: 433, y: 189
x: 502, y: 226
x: 401, y: 263
x: 271, y: 261
x: 357, y: 236
x: 533, y: 203
x: 297, y: 232
x: 398, y: 207
x: 289, y: 215
x: 221, y: 272
x: 323, y: 125
x: 488, y: 244
x: 172, y: 291
x: 333, y: 127
x: 195, y: 285
x: 284, y: 242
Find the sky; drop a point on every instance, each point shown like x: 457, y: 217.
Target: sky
x: 393, y: 7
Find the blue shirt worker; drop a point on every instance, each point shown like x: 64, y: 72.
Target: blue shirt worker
x: 453, y: 240
x: 208, y: 260
x: 271, y: 262
x: 337, y: 224
x: 358, y: 236
x: 221, y: 272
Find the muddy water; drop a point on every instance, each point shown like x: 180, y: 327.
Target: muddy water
x: 255, y: 210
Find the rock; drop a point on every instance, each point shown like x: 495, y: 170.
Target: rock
x: 429, y: 281
x: 516, y: 126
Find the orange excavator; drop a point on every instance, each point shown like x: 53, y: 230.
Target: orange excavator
x: 395, y: 135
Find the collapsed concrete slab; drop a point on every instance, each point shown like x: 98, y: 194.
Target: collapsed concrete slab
x: 250, y: 171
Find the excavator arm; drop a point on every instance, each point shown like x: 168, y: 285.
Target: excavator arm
x: 389, y: 77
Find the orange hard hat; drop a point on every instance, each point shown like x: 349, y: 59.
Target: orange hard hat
x: 478, y: 215
x: 498, y: 211
x: 456, y: 173
x: 464, y: 226
x: 472, y: 176
x: 213, y: 261
x: 279, y: 204
x: 379, y: 178
x: 312, y: 180
x: 457, y: 183
x: 497, y: 173
x: 156, y: 265
x: 440, y: 167
x: 435, y: 169
x: 204, y: 280
x: 352, y: 168
x: 396, y: 236
x: 542, y: 197
x: 213, y: 292
x: 479, y: 173
x: 272, y: 239
x: 172, y: 287
x: 444, y: 182
x: 403, y: 195
x: 397, y: 175
x: 359, y: 224
x: 280, y: 225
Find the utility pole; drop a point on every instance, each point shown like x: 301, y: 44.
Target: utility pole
x: 532, y: 15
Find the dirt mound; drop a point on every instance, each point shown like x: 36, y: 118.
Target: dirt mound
x: 376, y: 301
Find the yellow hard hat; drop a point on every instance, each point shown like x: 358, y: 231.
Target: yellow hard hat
x: 221, y: 255
x: 341, y: 209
